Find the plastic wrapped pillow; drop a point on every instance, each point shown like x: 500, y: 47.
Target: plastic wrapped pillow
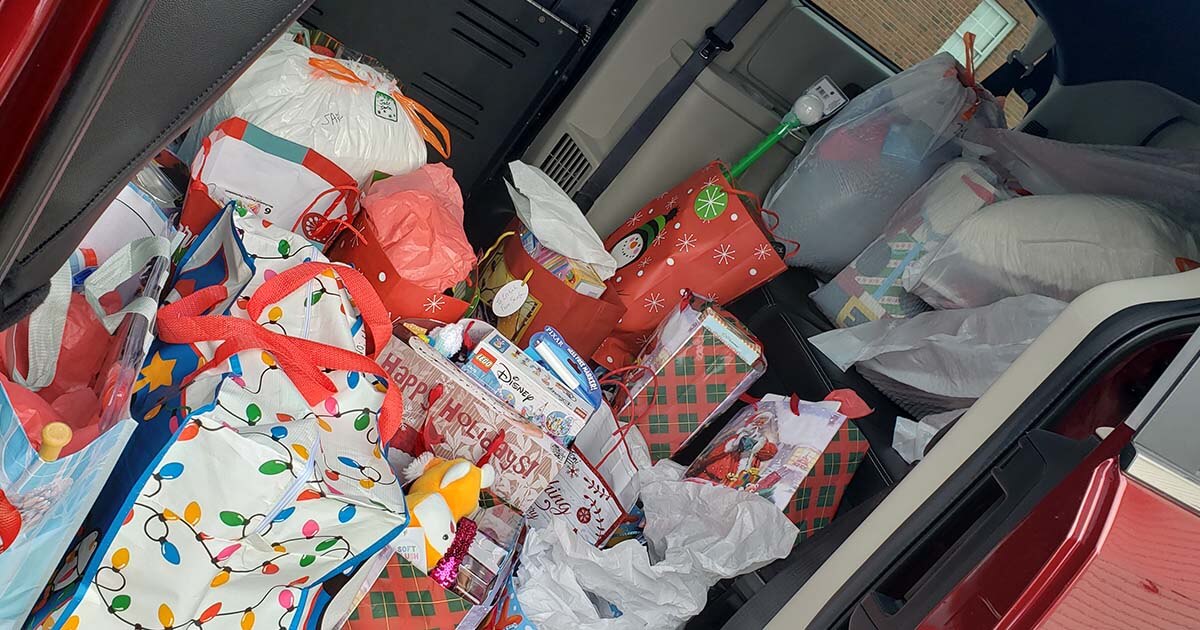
x: 1053, y: 245
x: 870, y: 287
x: 940, y: 360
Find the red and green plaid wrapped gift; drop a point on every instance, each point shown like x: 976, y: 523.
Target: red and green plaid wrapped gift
x: 405, y: 598
x: 820, y: 494
x: 699, y: 360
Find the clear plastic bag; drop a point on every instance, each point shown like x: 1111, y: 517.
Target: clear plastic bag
x: 838, y: 194
x: 1167, y: 177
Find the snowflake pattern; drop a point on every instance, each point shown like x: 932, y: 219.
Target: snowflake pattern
x: 645, y: 262
x: 724, y: 254
x: 660, y: 238
x: 686, y: 242
x: 712, y: 181
x: 434, y: 303
x: 634, y: 220
x: 763, y: 251
x: 673, y: 201
x: 654, y: 302
x: 642, y: 340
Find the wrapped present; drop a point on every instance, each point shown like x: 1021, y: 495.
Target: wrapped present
x: 698, y: 361
x: 818, y: 497
x: 404, y: 596
x: 453, y: 416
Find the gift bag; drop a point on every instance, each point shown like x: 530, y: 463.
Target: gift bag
x: 583, y: 321
x: 405, y: 596
x: 363, y: 248
x: 818, y: 498
x: 257, y: 475
x: 283, y: 182
x: 82, y: 361
x: 598, y: 485
x: 691, y: 369
x: 703, y: 236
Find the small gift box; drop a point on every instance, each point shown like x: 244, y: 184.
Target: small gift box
x: 697, y: 363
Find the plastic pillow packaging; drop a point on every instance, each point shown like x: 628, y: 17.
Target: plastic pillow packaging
x: 839, y: 193
x: 697, y: 534
x: 418, y: 220
x: 940, y: 360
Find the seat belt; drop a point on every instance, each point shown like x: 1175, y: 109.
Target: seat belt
x: 717, y: 39
x: 1021, y: 62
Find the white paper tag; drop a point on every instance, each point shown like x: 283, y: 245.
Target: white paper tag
x: 830, y: 94
x: 510, y: 298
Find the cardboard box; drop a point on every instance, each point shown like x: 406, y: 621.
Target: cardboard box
x: 464, y: 419
x: 534, y: 392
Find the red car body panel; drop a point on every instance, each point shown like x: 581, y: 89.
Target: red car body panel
x: 1100, y: 551
x: 41, y: 43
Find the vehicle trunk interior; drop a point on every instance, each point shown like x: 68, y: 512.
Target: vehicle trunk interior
x: 558, y: 84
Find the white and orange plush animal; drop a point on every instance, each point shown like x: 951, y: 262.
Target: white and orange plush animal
x: 442, y: 492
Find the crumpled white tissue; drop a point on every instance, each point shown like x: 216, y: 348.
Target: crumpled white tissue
x: 555, y: 220
x: 698, y: 534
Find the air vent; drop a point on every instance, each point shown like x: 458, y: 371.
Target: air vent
x: 567, y: 165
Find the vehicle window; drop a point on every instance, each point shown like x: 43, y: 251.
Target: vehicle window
x: 908, y: 31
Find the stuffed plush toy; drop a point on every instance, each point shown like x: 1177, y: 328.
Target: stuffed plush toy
x: 441, y: 494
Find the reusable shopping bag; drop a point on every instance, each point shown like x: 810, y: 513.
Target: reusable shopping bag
x: 257, y: 475
x: 44, y: 502
x: 283, y: 182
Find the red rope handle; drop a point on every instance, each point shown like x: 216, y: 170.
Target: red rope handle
x: 10, y: 522
x: 185, y: 322
x: 623, y: 430
x: 376, y: 321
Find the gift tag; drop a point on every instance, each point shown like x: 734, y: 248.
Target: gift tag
x: 510, y: 298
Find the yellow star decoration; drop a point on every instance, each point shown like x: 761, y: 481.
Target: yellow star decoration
x: 156, y: 374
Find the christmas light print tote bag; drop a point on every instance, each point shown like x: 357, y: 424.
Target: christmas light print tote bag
x: 703, y: 235
x: 274, y: 484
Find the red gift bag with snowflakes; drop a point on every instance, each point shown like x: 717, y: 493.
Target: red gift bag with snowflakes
x: 702, y: 235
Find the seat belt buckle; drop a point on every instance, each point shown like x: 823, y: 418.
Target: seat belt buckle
x: 713, y: 45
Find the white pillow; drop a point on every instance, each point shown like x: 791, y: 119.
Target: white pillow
x: 1053, y: 245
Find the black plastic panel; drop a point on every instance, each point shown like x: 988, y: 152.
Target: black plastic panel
x: 482, y: 66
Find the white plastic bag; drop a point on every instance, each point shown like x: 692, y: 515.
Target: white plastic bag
x: 555, y: 220
x: 838, y: 194
x: 941, y: 360
x: 1053, y: 245
x: 698, y: 534
x: 346, y: 111
x: 910, y: 438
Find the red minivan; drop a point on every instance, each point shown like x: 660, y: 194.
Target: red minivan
x: 1065, y: 497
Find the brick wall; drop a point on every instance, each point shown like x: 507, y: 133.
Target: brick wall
x: 907, y: 31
